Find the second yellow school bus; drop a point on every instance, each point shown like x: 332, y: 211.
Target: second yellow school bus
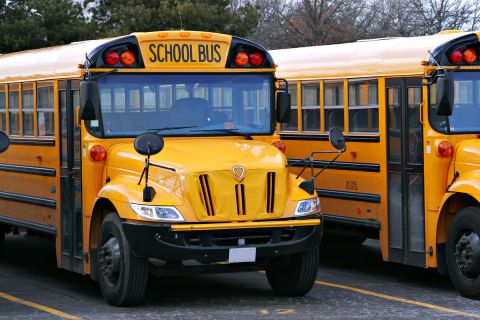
x: 410, y: 175
x: 154, y: 150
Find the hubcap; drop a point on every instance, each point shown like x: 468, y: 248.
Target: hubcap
x: 109, y: 260
x: 467, y: 254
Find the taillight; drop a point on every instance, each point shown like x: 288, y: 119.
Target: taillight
x: 241, y: 59
x: 456, y: 56
x: 112, y: 58
x: 256, y: 59
x: 445, y: 148
x: 127, y: 58
x: 469, y: 56
x: 98, y: 152
x: 280, y: 146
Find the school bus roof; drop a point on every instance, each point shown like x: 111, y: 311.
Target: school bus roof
x: 53, y: 62
x: 389, y: 56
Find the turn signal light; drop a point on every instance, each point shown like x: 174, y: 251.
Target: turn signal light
x: 241, y: 59
x: 469, y: 56
x: 445, y: 148
x: 112, y: 58
x: 280, y: 146
x: 127, y: 58
x: 98, y: 152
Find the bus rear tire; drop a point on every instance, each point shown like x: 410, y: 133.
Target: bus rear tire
x: 121, y: 275
x: 293, y: 275
x: 463, y: 252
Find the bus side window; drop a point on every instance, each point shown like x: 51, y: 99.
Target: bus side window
x: 333, y: 104
x: 311, y: 106
x: 45, y: 115
x: 27, y: 109
x: 13, y: 109
x: 292, y: 125
x: 3, y: 109
x: 363, y: 106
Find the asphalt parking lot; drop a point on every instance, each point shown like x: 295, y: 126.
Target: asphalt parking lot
x: 352, y: 283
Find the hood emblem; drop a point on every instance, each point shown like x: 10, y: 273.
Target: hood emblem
x: 238, y: 172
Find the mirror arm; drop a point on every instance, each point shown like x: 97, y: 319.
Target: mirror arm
x: 284, y: 81
x: 162, y: 167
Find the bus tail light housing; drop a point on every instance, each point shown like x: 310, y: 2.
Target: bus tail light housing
x: 98, y: 152
x: 280, y: 146
x: 445, y: 148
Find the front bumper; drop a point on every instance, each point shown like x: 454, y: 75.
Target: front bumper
x: 272, y: 239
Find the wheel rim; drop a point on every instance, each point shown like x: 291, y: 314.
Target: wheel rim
x: 110, y: 261
x: 467, y: 254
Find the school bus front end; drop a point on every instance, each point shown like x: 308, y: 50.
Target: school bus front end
x: 208, y: 187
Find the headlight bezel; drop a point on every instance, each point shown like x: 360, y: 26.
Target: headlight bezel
x: 139, y: 210
x: 313, y: 207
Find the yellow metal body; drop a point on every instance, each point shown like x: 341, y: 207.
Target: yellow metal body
x: 116, y: 179
x: 380, y: 60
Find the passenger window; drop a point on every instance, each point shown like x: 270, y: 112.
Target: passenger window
x: 3, y: 109
x: 333, y: 105
x: 45, y: 115
x: 363, y: 106
x: 292, y: 125
x: 311, y: 106
x: 27, y: 109
x: 13, y: 109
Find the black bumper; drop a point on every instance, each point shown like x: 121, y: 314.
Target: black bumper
x: 160, y: 242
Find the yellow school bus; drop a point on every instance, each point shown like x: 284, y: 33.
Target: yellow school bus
x: 409, y: 108
x: 154, y: 151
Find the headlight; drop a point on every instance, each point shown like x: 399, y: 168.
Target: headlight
x: 306, y: 207
x: 158, y: 213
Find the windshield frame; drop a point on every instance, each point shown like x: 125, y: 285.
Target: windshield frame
x: 431, y: 111
x: 272, y: 123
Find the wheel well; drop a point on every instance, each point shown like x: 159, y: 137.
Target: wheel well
x: 455, y: 203
x: 102, y: 208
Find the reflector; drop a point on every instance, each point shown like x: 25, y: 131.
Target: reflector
x: 280, y: 146
x: 445, y: 148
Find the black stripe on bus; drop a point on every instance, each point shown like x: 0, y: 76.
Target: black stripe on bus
x: 40, y: 171
x: 345, y: 195
x: 33, y: 142
x: 18, y: 197
x: 318, y: 137
x: 339, y: 165
x: 352, y: 222
x: 28, y: 225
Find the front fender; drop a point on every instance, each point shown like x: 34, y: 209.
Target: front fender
x: 124, y: 190
x: 468, y: 182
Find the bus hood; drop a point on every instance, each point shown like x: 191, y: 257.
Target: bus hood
x: 468, y: 152
x: 217, y: 180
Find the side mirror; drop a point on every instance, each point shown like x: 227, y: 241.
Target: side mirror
x: 283, y: 107
x: 148, y: 144
x: 89, y: 100
x: 444, y: 96
x: 4, y: 142
x: 337, y: 139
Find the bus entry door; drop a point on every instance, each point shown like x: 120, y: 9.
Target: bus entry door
x: 71, y: 178
x: 406, y: 220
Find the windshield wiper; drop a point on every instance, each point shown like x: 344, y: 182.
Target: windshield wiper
x: 232, y: 132
x: 171, y: 128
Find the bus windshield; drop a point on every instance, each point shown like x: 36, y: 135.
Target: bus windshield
x: 466, y: 109
x: 184, y: 104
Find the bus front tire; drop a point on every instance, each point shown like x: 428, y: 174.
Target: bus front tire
x: 121, y: 275
x: 293, y: 275
x: 463, y: 252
